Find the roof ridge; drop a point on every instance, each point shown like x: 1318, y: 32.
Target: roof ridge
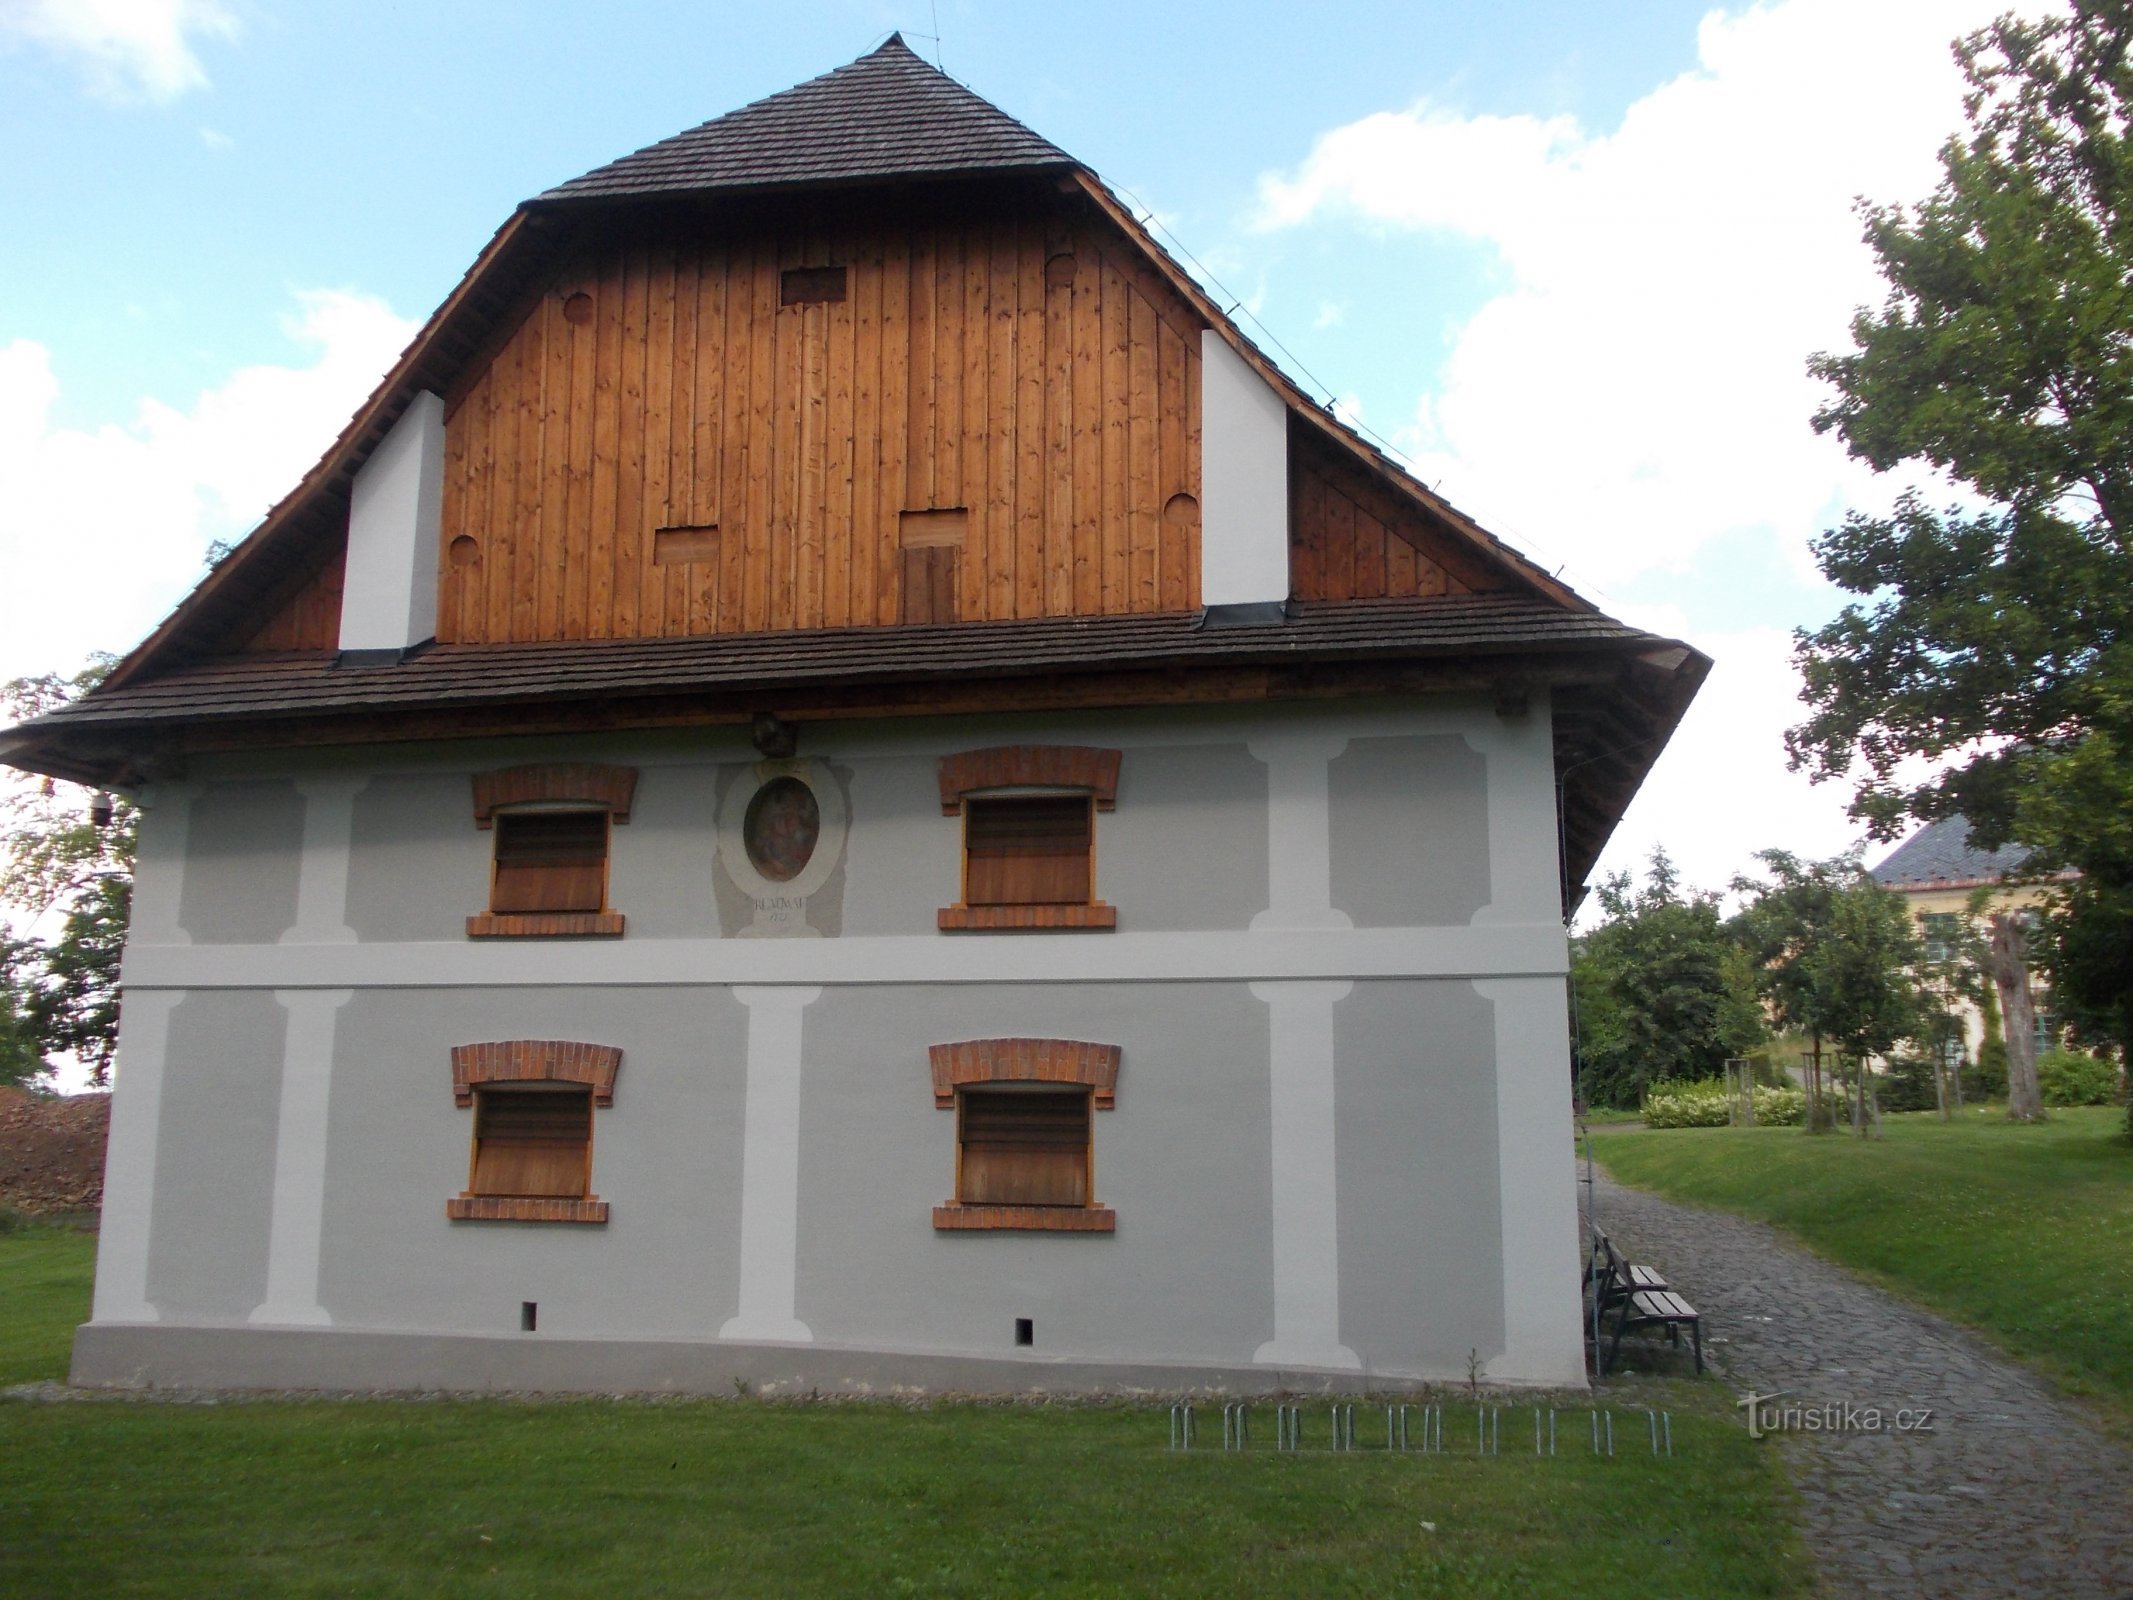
x: 887, y: 114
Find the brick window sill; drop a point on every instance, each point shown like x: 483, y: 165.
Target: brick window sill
x: 545, y: 925
x: 954, y: 1218
x: 522, y: 1208
x: 1026, y: 919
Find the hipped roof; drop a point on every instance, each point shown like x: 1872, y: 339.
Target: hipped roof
x: 888, y: 118
x: 888, y: 115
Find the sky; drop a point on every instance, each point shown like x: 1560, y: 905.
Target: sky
x: 1570, y: 257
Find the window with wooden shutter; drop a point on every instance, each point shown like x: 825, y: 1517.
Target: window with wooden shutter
x: 532, y: 1139
x: 1024, y: 1158
x: 1023, y: 1146
x: 1029, y: 835
x: 533, y: 1102
x: 552, y: 826
x: 550, y: 861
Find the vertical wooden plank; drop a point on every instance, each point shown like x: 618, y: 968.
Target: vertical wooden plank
x: 1058, y: 428
x: 1142, y: 426
x: 505, y: 577
x: 809, y: 518
x: 1171, y: 476
x: 1086, y: 442
x: 1194, y: 529
x: 838, y: 423
x: 1340, y: 546
x: 537, y: 604
x: 894, y: 433
x: 788, y: 442
x: 711, y: 443
x: 591, y: 598
x: 452, y: 505
x: 864, y: 510
x: 1032, y: 577
x: 669, y: 589
x: 1000, y: 427
x: 975, y: 426
x: 1304, y: 509
x: 653, y: 510
x: 1117, y: 568
x: 758, y: 324
x: 1371, y: 557
x: 923, y: 422
x: 947, y: 366
x: 632, y: 552
x: 493, y: 538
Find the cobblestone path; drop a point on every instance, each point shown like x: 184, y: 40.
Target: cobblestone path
x: 2013, y: 1491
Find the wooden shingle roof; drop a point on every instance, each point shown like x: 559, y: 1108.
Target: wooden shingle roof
x: 888, y: 115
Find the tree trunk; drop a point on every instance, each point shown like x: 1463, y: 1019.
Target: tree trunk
x: 2018, y: 1015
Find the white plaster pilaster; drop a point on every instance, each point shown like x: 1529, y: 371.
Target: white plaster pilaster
x: 322, y: 876
x: 1299, y: 829
x: 299, y: 1205
x: 770, y: 1165
x: 1307, y: 1281
x: 130, y: 1160
x: 1525, y: 849
x: 1544, y: 1337
x: 159, y: 865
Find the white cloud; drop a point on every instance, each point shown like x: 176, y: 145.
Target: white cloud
x: 1720, y: 790
x: 1639, y: 387
x: 102, y: 531
x: 126, y: 50
x: 216, y: 140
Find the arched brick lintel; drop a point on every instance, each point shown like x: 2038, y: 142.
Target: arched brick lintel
x: 535, y: 1061
x: 589, y: 783
x: 1007, y: 766
x: 1025, y: 1061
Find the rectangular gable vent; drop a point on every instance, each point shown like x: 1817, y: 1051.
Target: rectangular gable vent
x: 800, y: 286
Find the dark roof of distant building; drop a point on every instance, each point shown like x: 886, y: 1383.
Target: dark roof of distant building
x: 1940, y: 855
x: 888, y: 115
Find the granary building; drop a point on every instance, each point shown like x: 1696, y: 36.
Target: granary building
x: 837, y: 783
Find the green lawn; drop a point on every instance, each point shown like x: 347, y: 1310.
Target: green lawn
x: 750, y: 1498
x: 2023, y: 1232
x: 44, y: 1292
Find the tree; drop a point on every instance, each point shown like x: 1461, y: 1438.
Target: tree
x: 1839, y: 960
x: 1661, y: 991
x: 58, y: 866
x: 21, y: 1055
x: 1991, y: 650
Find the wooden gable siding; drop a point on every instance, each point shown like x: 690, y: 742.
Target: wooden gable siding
x: 309, y: 619
x: 968, y: 366
x: 1351, y: 537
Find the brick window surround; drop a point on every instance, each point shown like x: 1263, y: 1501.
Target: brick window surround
x: 545, y: 787
x: 985, y: 1063
x: 1054, y: 888
x: 506, y: 1062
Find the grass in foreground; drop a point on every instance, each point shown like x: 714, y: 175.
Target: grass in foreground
x: 394, y: 1498
x: 44, y: 1292
x: 2025, y: 1233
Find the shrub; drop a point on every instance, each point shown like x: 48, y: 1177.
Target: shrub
x: 1988, y: 1079
x: 1682, y: 1104
x: 1907, y: 1085
x: 2071, y: 1078
x: 1780, y: 1108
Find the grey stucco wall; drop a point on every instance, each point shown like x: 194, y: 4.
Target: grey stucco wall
x: 207, y: 1258
x: 666, y: 1157
x: 1183, y: 1161
x: 1421, y: 1220
x: 414, y: 873
x: 1410, y: 830
x: 242, y: 862
x: 1186, y: 848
